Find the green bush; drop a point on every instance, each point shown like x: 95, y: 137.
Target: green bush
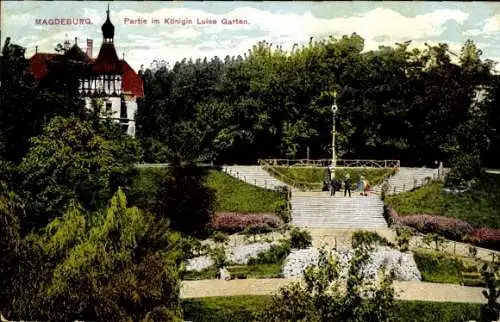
x: 276, y: 254
x: 281, y: 209
x: 219, y: 257
x: 403, y: 237
x: 300, y: 238
x: 219, y: 237
x: 369, y: 237
x: 439, y: 268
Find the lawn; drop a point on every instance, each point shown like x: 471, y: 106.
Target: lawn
x: 234, y: 195
x: 439, y: 268
x: 231, y: 194
x: 312, y: 178
x: 480, y: 206
x: 242, y: 308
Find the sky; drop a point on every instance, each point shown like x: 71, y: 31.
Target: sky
x: 279, y: 23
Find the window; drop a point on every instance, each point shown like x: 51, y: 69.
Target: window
x: 108, y: 107
x: 123, y: 110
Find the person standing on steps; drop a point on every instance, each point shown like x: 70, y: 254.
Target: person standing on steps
x: 333, y: 184
x: 347, y: 185
x: 361, y: 184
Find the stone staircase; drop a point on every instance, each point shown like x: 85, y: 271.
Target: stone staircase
x: 254, y: 175
x: 319, y: 210
x: 407, y: 179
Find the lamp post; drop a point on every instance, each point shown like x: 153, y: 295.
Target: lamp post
x: 334, y: 112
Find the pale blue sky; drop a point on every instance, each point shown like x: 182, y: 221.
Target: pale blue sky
x: 281, y: 23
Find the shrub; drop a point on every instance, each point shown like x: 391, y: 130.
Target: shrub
x: 276, y: 254
x: 219, y: 257
x: 434, y: 238
x: 235, y: 222
x: 369, y: 237
x: 486, y: 237
x: 300, y: 238
x: 403, y: 237
x: 280, y: 207
x: 449, y: 227
x: 219, y: 237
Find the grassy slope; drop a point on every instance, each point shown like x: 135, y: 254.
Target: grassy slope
x: 313, y: 177
x: 241, y: 308
x: 479, y: 207
x: 232, y: 195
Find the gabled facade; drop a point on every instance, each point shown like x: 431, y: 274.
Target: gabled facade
x: 111, y: 79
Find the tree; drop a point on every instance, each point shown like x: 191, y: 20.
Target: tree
x: 185, y: 200
x: 27, y: 104
x: 322, y: 297
x: 70, y: 161
x: 11, y: 211
x: 118, y: 264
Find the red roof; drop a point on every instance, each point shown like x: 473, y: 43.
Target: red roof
x: 106, y: 62
x: 38, y: 64
x: 132, y: 82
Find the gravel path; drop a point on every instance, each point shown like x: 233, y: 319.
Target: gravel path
x: 407, y: 290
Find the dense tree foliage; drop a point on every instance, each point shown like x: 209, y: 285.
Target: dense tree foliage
x: 71, y: 161
x: 28, y: 105
x: 117, y: 264
x: 395, y: 102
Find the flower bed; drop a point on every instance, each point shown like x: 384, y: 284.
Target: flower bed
x: 451, y: 228
x: 401, y: 264
x: 448, y: 227
x: 236, y: 222
x: 486, y: 237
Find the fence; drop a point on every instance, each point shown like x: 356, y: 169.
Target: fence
x: 354, y: 163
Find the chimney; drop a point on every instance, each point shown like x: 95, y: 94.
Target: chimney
x: 76, y: 40
x: 36, y: 49
x: 66, y: 43
x: 89, y: 47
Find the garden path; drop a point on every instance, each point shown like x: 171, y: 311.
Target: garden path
x: 405, y: 290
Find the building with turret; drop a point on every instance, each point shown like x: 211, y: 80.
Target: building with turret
x: 116, y: 85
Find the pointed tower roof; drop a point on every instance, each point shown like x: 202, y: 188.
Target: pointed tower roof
x: 107, y: 60
x: 108, y: 30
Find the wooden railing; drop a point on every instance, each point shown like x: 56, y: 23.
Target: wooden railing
x: 327, y: 162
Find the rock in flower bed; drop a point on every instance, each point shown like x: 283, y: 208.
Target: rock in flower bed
x: 199, y: 263
x: 236, y: 255
x: 403, y: 265
x: 242, y: 254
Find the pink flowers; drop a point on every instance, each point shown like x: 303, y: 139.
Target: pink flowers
x: 487, y: 237
x: 452, y: 228
x: 233, y: 222
x: 449, y: 227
